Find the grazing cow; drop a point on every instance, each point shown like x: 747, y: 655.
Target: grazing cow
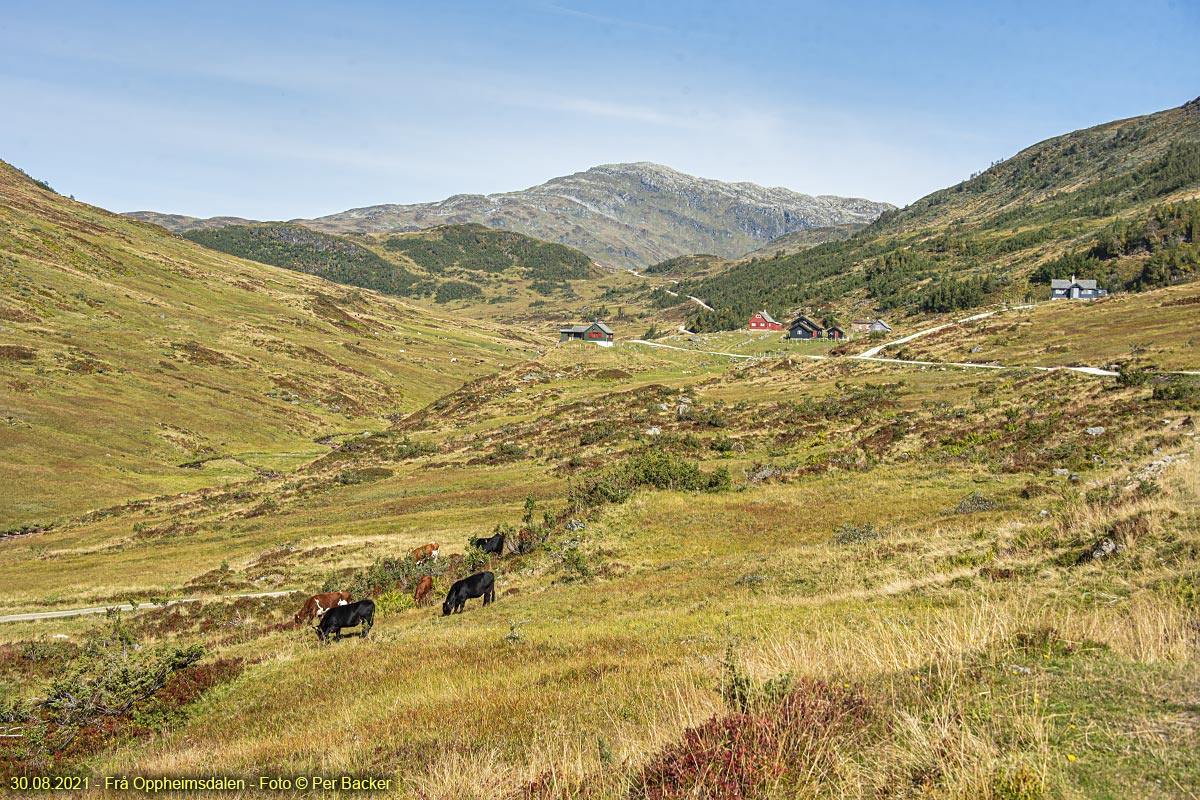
x: 360, y: 613
x: 492, y: 544
x: 425, y: 551
x: 480, y: 584
x: 318, y: 604
x: 424, y: 591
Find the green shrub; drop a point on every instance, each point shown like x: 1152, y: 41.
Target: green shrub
x: 1128, y: 376
x: 975, y: 502
x: 475, y: 559
x: 382, y: 576
x: 393, y: 602
x: 1185, y: 394
x: 654, y: 468
x: 510, y: 450
x: 721, y: 444
x: 857, y: 534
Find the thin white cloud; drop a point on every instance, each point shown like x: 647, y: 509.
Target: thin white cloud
x: 554, y: 8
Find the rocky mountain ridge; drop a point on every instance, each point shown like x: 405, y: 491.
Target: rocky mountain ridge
x: 623, y: 215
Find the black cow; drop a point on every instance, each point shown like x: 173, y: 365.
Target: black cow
x: 480, y: 584
x: 347, y: 616
x: 492, y: 544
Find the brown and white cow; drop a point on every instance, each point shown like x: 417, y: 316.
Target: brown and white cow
x: 318, y: 604
x: 424, y: 591
x: 426, y: 551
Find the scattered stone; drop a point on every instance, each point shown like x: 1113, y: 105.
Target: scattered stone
x: 765, y: 473
x: 575, y: 525
x: 653, y: 431
x: 1043, y: 513
x: 1096, y: 431
x: 1102, y: 549
x: 1062, y: 473
x: 663, y: 407
x: 1074, y: 477
x: 685, y: 400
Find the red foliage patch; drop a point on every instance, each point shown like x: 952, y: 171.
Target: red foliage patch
x: 751, y: 755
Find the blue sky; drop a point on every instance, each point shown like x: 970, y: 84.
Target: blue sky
x: 295, y: 109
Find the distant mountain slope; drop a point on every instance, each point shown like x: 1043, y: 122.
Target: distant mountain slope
x: 181, y: 222
x: 127, y: 353
x: 298, y: 248
x: 476, y: 247
x: 796, y: 241
x: 1109, y: 202
x: 628, y: 215
x: 450, y: 262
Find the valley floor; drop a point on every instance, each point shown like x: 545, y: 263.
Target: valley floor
x: 891, y: 595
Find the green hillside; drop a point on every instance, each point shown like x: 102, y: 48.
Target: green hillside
x: 475, y: 247
x: 134, y: 362
x: 445, y: 264
x: 298, y: 248
x: 1110, y: 203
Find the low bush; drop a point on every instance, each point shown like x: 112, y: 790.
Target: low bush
x: 784, y: 747
x: 975, y: 502
x: 103, y: 692
x: 857, y: 534
x: 654, y: 468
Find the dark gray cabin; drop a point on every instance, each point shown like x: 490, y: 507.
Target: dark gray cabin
x: 1062, y: 289
x: 596, y: 332
x: 804, y: 328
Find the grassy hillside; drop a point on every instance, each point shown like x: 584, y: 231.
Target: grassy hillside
x: 136, y: 363
x: 1110, y: 203
x: 1134, y: 333
x: 894, y: 588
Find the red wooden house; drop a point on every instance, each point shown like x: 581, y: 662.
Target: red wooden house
x: 762, y: 321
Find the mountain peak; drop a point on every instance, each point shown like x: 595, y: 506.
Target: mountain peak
x: 626, y: 214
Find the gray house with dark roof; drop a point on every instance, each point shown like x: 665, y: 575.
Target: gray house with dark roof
x: 596, y: 332
x: 1062, y: 289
